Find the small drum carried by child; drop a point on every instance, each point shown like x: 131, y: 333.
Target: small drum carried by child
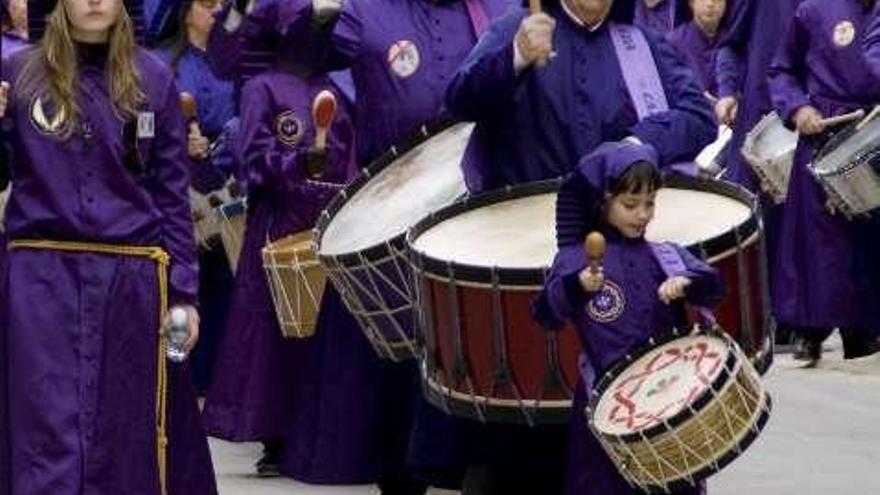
x: 678, y: 411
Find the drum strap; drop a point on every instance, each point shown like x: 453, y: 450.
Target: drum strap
x: 163, y: 260
x: 673, y: 265
x: 639, y: 70
x: 477, y: 14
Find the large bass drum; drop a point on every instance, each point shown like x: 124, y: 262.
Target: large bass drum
x: 480, y: 262
x: 360, y: 236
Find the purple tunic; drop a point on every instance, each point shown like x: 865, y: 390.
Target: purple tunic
x: 83, y: 366
x: 252, y: 394
x: 609, y: 325
x: 699, y: 51
x: 10, y: 44
x: 539, y: 124
x: 820, y: 63
x: 663, y: 18
x: 402, y: 55
x: 872, y: 42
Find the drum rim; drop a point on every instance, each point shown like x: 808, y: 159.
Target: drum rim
x: 683, y: 415
x: 534, y: 277
x: 731, y: 455
x: 341, y: 198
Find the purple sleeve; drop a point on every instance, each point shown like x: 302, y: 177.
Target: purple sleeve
x: 728, y: 72
x: 681, y: 132
x: 872, y: 43
x: 172, y: 198
x: 788, y: 70
x: 706, y: 288
x: 224, y: 47
x: 266, y: 163
x: 562, y: 296
x: 486, y: 80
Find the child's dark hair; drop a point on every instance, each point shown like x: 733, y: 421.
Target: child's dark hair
x: 640, y: 177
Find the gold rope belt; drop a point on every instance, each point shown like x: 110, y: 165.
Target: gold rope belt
x: 162, y: 260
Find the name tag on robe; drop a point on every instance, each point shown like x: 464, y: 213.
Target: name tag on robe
x: 146, y: 126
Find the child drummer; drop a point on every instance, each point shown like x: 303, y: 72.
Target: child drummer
x: 617, y: 307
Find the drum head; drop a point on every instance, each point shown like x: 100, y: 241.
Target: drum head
x: 422, y: 180
x: 691, y: 216
x: 660, y: 384
x: 517, y: 233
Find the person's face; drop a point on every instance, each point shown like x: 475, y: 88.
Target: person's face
x: 200, y: 17
x: 708, y: 13
x: 591, y: 12
x: 18, y: 13
x: 630, y: 213
x: 91, y: 20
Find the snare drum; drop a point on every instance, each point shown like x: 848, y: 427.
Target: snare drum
x: 672, y: 414
x: 296, y: 283
x: 845, y: 168
x: 232, y: 217
x: 769, y: 148
x: 360, y: 236
x: 480, y: 262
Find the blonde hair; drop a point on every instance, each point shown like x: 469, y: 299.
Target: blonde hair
x: 52, y: 71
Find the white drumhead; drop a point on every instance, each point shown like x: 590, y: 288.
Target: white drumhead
x: 686, y: 216
x: 518, y: 233
x: 521, y: 233
x: 421, y: 181
x: 660, y: 384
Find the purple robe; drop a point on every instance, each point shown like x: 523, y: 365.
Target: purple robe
x: 872, y: 42
x: 699, y: 52
x: 539, y: 124
x: 253, y: 391
x: 820, y: 63
x: 663, y: 18
x: 10, y: 44
x: 611, y: 323
x: 402, y: 55
x: 82, y: 367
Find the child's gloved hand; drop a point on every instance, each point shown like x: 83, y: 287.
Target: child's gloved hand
x: 672, y: 289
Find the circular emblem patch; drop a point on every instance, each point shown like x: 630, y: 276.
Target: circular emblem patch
x: 844, y: 33
x: 403, y: 57
x: 289, y: 128
x: 608, y: 304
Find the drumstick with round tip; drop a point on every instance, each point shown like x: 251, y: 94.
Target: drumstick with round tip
x: 873, y: 114
x: 842, y: 119
x: 323, y: 112
x: 594, y: 244
x: 189, y: 107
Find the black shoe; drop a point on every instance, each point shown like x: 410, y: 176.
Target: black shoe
x: 267, y: 466
x: 807, y: 350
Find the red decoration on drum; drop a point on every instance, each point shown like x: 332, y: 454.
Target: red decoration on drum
x: 657, y: 388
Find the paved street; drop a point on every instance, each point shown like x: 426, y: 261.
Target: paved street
x: 823, y: 439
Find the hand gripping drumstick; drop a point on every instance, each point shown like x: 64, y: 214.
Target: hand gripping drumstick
x: 595, y: 247
x: 323, y: 113
x: 842, y: 119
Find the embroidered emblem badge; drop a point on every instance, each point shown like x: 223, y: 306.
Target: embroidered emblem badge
x: 844, y: 34
x: 289, y: 128
x: 43, y: 122
x: 608, y: 304
x: 404, y: 58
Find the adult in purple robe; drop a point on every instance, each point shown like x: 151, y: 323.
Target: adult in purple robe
x: 661, y: 16
x: 819, y: 71
x: 872, y: 43
x: 697, y: 41
x: 80, y: 329
x: 535, y: 122
x: 255, y: 391
x: 611, y: 327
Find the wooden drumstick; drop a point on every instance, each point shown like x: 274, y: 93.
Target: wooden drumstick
x: 535, y: 7
x: 190, y: 109
x: 873, y: 114
x: 842, y: 119
x: 595, y: 247
x: 323, y: 113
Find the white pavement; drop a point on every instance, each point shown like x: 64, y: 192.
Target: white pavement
x: 823, y: 438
